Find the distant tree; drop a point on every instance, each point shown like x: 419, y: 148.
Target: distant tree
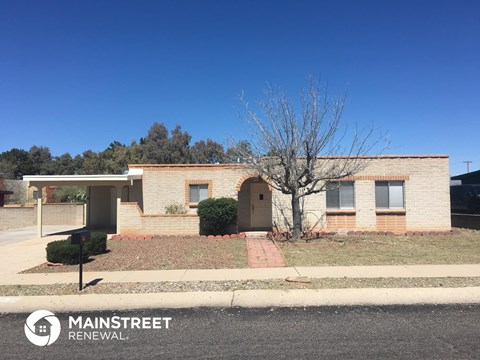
x: 240, y: 152
x: 155, y: 145
x: 64, y: 165
x: 15, y: 163
x: 295, y: 141
x: 209, y: 152
x: 92, y: 163
x: 159, y: 148
x: 41, y: 159
x: 115, y: 158
x: 178, y: 147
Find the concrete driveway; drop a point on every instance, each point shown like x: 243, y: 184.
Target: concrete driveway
x: 20, y: 249
x: 16, y: 235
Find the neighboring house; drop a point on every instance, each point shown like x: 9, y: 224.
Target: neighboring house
x: 393, y: 193
x: 468, y: 178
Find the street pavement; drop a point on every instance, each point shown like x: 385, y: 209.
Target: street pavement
x: 385, y: 332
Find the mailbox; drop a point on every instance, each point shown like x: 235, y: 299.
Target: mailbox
x: 80, y: 237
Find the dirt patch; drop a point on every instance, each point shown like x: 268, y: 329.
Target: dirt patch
x: 163, y: 254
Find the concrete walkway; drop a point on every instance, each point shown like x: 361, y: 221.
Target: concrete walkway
x: 264, y: 253
x: 148, y: 276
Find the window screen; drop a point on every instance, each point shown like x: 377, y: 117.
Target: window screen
x: 381, y: 194
x: 389, y: 195
x: 395, y: 193
x: 341, y: 197
x: 198, y: 192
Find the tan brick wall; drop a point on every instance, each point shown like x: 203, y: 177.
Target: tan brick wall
x: 133, y: 221
x: 426, y: 193
x: 16, y: 217
x: 13, y: 217
x: 62, y: 214
x: 163, y: 186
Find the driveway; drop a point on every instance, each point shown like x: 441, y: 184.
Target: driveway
x: 21, y: 249
x: 16, y: 235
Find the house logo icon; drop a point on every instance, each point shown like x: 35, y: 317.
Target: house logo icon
x: 42, y: 328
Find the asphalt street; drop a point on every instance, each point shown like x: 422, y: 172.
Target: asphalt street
x: 386, y: 332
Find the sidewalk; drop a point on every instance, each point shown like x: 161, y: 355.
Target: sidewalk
x: 399, y: 271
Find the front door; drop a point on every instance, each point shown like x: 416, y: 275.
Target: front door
x: 260, y: 206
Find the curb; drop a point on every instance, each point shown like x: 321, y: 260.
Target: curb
x: 242, y: 299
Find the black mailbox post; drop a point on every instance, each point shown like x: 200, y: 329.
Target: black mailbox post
x: 80, y: 238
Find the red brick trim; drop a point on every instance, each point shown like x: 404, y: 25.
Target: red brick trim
x: 250, y: 176
x: 341, y: 212
x: 209, y: 183
x: 390, y: 211
x: 377, y: 177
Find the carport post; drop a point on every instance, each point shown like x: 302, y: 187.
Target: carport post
x: 39, y: 211
x: 119, y: 203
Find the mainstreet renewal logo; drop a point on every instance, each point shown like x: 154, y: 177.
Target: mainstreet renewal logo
x: 42, y: 327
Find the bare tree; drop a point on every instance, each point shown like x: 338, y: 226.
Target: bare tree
x: 300, y: 155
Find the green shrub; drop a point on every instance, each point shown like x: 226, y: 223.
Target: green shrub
x: 97, y: 244
x: 61, y: 251
x: 217, y: 215
x: 175, y: 208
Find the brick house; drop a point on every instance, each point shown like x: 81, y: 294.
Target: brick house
x: 393, y: 193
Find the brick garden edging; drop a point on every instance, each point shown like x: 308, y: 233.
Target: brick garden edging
x: 179, y: 237
x: 321, y: 235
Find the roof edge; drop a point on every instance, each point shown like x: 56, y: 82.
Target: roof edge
x: 229, y: 165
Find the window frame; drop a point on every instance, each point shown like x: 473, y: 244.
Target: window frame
x: 388, y: 194
x: 189, y: 183
x: 339, y: 200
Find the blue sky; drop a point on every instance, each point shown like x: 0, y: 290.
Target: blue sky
x: 76, y: 75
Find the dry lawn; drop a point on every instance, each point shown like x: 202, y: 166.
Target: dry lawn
x: 385, y: 250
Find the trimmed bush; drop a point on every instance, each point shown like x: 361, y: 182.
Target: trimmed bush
x: 217, y: 215
x: 97, y: 244
x: 61, y: 251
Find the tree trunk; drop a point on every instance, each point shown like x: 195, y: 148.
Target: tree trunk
x: 297, y: 217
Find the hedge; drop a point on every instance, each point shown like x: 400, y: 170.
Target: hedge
x: 217, y: 215
x: 62, y: 251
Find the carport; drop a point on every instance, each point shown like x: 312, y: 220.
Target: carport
x: 104, y: 194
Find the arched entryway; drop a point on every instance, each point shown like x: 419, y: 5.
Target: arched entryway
x: 254, y: 205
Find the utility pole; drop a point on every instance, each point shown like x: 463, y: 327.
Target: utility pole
x: 468, y: 162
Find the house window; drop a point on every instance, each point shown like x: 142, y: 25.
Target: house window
x: 198, y: 192
x: 389, y: 195
x: 341, y: 195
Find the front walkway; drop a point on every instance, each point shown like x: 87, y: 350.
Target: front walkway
x: 264, y: 253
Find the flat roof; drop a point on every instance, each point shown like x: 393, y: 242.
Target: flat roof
x: 85, y: 180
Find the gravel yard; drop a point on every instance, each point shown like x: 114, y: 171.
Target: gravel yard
x: 163, y: 254
x: 329, y: 283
